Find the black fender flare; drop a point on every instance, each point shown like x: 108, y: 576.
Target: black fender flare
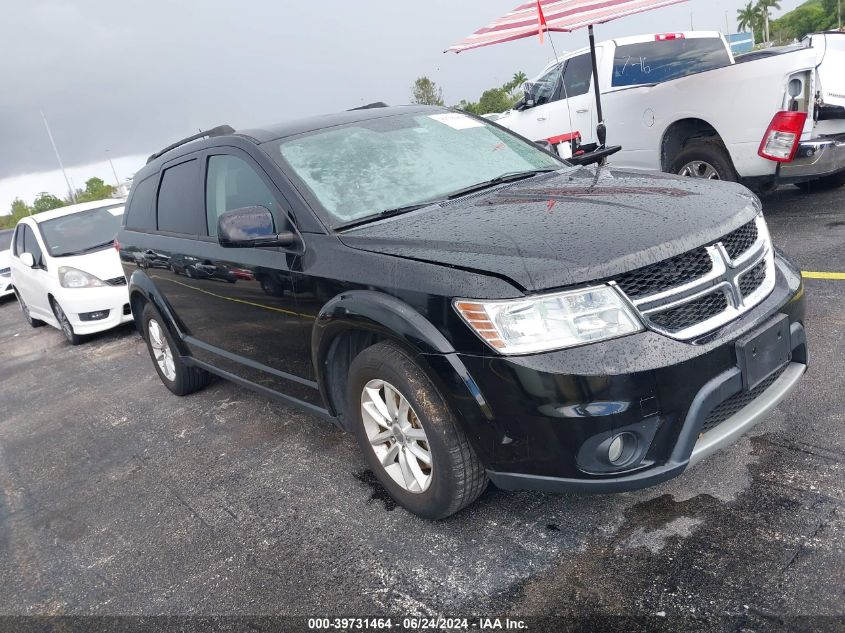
x: 391, y: 318
x: 140, y: 283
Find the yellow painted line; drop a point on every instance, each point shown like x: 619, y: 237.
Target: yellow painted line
x: 807, y: 274
x: 249, y: 303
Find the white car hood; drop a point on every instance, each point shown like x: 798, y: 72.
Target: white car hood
x: 104, y: 264
x: 5, y: 258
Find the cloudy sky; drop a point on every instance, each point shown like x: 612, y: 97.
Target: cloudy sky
x: 123, y: 79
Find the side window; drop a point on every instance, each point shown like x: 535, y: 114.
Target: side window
x: 19, y: 245
x: 139, y: 210
x: 178, y: 207
x: 576, y: 77
x: 31, y: 246
x: 546, y: 87
x: 232, y: 183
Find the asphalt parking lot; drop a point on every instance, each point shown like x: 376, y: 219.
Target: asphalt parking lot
x: 120, y: 498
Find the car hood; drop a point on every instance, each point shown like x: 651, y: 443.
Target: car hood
x: 5, y: 258
x: 568, y: 228
x: 103, y: 264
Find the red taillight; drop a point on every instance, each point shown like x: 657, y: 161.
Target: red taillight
x: 780, y: 141
x: 662, y: 37
x: 116, y: 245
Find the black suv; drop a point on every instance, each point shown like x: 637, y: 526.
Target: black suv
x: 471, y: 307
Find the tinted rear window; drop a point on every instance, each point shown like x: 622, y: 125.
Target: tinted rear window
x: 179, y: 210
x: 655, y: 62
x: 140, y: 212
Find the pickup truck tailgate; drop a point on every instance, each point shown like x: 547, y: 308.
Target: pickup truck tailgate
x: 831, y: 69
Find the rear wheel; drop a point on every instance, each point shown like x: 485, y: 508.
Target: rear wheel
x: 64, y: 323
x: 25, y: 310
x: 410, y: 439
x: 703, y: 159
x: 176, y: 375
x: 823, y: 184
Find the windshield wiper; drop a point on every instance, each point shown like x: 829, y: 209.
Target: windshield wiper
x: 511, y: 176
x: 84, y: 250
x: 387, y: 213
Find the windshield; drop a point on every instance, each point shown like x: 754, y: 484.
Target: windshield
x: 368, y: 167
x: 82, y: 232
x: 6, y: 240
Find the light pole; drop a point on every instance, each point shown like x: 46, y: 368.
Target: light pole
x: 58, y: 158
x: 113, y: 171
x: 727, y: 28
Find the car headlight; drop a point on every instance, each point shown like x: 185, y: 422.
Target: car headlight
x: 548, y: 322
x: 75, y: 278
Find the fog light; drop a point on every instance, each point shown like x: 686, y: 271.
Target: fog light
x: 93, y: 316
x: 621, y: 448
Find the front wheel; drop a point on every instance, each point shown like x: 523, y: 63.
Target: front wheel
x: 410, y: 439
x: 707, y: 160
x: 176, y: 375
x: 64, y: 323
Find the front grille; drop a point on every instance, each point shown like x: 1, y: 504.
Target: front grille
x: 661, y: 276
x: 691, y: 313
x: 116, y: 281
x: 753, y: 279
x: 739, y: 241
x: 737, y: 402
x: 694, y: 293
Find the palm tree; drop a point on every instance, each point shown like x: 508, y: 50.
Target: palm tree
x: 763, y: 7
x: 516, y: 81
x: 746, y: 18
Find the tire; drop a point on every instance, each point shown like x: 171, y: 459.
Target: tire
x: 25, y: 310
x: 825, y: 183
x: 455, y: 477
x: 699, y: 153
x: 176, y: 375
x: 64, y: 323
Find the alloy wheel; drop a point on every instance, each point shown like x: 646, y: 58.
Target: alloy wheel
x: 67, y: 330
x: 161, y: 350
x: 396, y: 436
x: 699, y: 169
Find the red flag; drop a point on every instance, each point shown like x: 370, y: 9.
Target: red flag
x: 541, y: 22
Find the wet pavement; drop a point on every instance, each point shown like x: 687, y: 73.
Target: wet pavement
x: 120, y: 498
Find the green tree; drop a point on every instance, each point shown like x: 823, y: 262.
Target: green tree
x: 764, y: 7
x: 95, y: 189
x: 426, y: 92
x: 18, y: 210
x: 45, y: 201
x: 512, y: 87
x: 747, y: 19
x: 494, y: 100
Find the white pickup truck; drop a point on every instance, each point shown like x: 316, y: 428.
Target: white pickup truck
x: 680, y: 103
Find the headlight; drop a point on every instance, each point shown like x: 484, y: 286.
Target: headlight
x: 554, y: 321
x: 75, y: 278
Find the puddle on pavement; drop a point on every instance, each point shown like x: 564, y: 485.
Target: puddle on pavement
x: 377, y: 491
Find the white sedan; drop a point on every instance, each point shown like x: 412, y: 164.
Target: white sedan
x: 66, y: 272
x: 5, y: 271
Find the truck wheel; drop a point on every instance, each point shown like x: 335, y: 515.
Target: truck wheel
x: 823, y: 184
x: 410, y: 439
x: 174, y: 373
x: 704, y: 159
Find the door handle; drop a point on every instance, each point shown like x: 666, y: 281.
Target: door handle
x: 541, y: 118
x: 582, y: 110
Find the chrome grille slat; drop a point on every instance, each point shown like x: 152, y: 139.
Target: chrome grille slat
x: 740, y: 275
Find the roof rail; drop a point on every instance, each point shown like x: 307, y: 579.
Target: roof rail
x: 220, y: 130
x: 377, y: 104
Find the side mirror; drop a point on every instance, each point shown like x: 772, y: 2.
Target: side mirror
x: 251, y: 226
x: 27, y: 260
x: 529, y: 92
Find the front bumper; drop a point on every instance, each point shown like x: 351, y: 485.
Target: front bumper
x: 815, y: 158
x: 6, y: 285
x: 115, y: 299
x: 547, y: 414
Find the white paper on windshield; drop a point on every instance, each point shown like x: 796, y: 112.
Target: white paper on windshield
x: 456, y: 120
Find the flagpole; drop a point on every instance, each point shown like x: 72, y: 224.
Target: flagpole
x: 601, y: 130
